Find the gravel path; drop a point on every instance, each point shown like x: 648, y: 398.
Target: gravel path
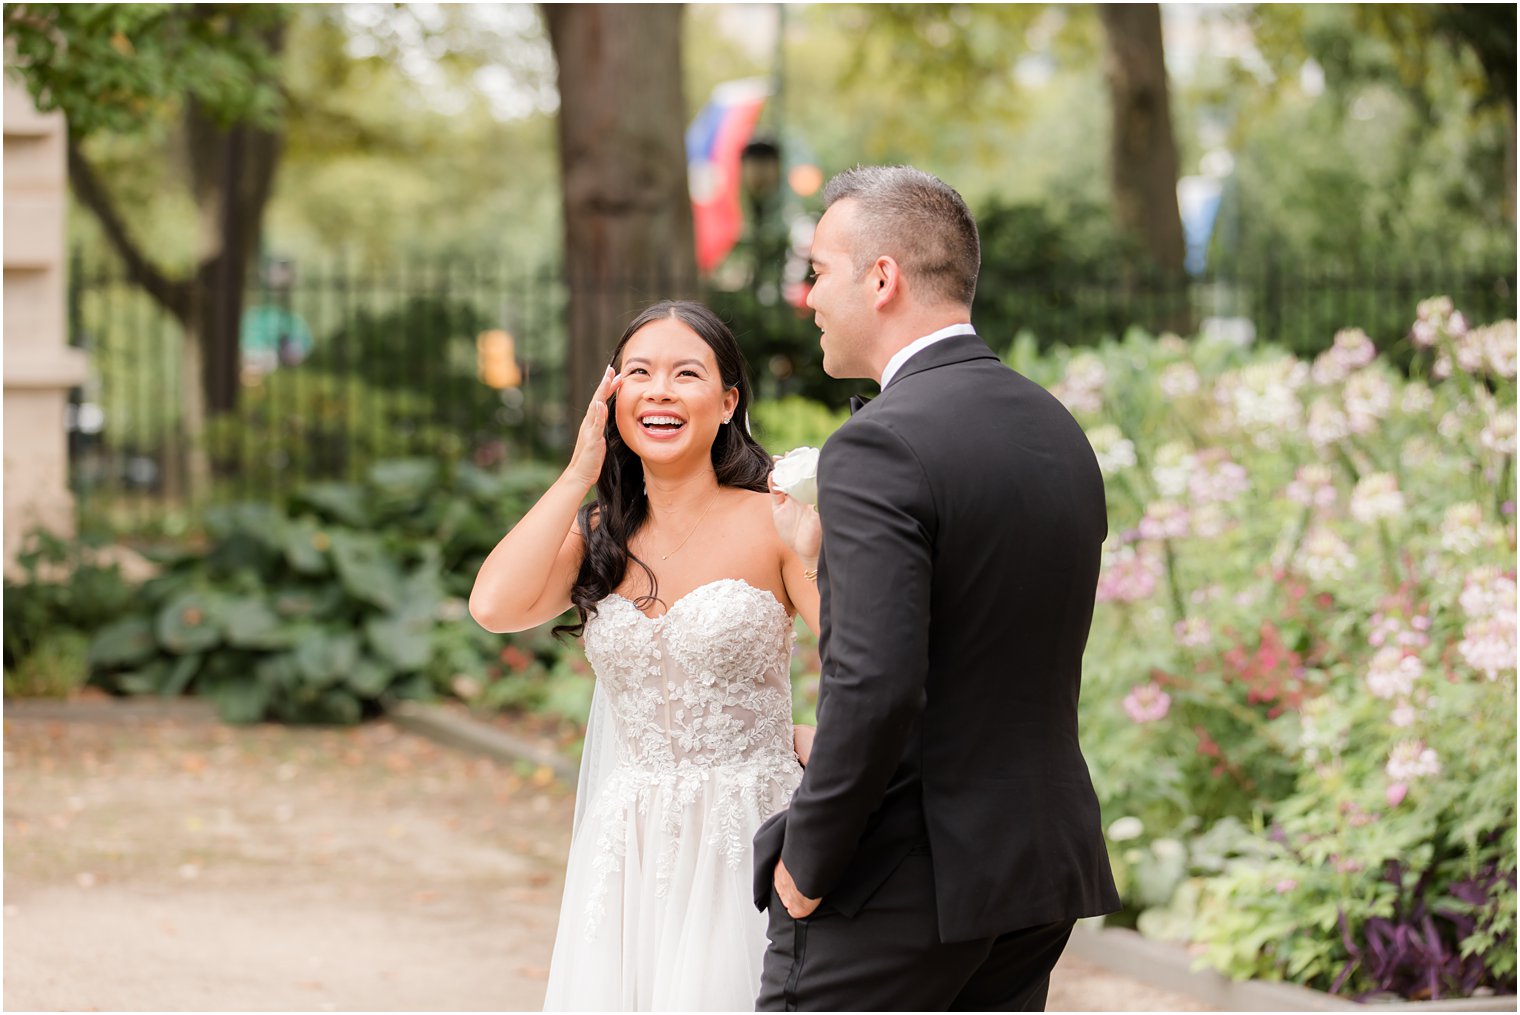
x: 156, y: 860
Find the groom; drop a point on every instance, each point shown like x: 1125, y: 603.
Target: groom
x: 945, y: 836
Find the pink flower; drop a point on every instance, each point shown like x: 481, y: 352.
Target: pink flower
x: 1411, y: 759
x: 1312, y: 486
x: 1128, y: 576
x: 1396, y: 793
x: 1488, y: 645
x: 1218, y: 482
x: 1285, y: 886
x: 1165, y: 520
x: 1392, y: 673
x: 1147, y: 703
x: 1403, y: 715
x: 1194, y: 632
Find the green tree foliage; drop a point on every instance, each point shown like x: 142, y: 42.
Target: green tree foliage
x: 1379, y: 139
x: 120, y: 67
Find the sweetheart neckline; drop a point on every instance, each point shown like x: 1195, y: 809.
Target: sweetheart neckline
x: 716, y: 581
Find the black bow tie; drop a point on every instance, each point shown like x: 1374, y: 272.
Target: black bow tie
x: 857, y: 402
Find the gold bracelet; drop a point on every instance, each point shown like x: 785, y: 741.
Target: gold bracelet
x: 811, y: 574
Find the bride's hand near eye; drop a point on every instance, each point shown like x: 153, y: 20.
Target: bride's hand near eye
x: 527, y: 578
x: 591, y: 441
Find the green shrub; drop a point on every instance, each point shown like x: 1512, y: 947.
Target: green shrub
x: 317, y: 611
x: 65, y: 593
x: 794, y: 422
x: 56, y: 666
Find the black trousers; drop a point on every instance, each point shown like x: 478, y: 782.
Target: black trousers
x: 889, y: 957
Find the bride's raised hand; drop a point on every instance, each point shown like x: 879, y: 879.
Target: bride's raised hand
x: 591, y: 441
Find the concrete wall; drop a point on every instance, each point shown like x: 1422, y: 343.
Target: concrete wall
x: 39, y: 365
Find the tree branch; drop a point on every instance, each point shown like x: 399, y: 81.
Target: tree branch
x: 172, y: 294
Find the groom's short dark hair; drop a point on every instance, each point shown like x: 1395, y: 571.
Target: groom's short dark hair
x: 919, y: 221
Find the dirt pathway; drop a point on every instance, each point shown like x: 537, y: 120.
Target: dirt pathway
x: 156, y: 860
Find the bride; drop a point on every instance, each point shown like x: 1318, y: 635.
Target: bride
x: 685, y: 584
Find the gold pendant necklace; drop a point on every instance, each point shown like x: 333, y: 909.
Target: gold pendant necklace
x: 710, y: 503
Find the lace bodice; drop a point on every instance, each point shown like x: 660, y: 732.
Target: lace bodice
x: 690, y: 746
x: 708, y: 683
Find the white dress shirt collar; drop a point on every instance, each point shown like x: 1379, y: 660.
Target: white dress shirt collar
x: 918, y: 345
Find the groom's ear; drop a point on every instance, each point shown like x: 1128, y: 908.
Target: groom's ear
x: 886, y: 274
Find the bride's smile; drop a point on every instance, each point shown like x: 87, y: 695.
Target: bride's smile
x: 672, y: 400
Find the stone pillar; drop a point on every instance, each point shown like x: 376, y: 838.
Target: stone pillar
x: 39, y: 365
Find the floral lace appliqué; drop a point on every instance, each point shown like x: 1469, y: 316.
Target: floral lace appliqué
x: 700, y: 700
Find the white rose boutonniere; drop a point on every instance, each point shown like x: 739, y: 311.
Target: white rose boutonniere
x: 796, y: 473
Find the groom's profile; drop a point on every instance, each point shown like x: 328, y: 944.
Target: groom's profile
x: 945, y: 837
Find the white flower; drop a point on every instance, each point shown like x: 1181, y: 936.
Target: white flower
x: 1078, y: 400
x: 1179, y: 380
x: 1209, y: 521
x: 1435, y: 310
x: 796, y: 473
x: 1417, y: 399
x: 1173, y: 467
x: 1262, y: 399
x: 1392, y: 674
x: 1325, y: 557
x: 1351, y: 351
x: 1164, y: 520
x: 1327, y: 424
x: 1218, y: 483
x: 1369, y: 397
x: 1125, y: 828
x: 1081, y: 390
x: 1488, y: 646
x: 1376, y: 496
x: 1114, y: 451
x: 1498, y: 343
x: 1403, y: 715
x: 1086, y: 370
x: 1486, y: 592
x: 1499, y: 434
x: 1462, y: 528
x: 1312, y: 486
x: 1412, y: 759
x: 1194, y: 632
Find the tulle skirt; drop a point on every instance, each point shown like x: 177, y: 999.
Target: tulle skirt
x: 658, y: 911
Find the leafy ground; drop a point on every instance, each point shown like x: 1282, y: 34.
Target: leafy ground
x: 157, y: 860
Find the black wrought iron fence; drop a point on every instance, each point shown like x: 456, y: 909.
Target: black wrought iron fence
x: 341, y: 367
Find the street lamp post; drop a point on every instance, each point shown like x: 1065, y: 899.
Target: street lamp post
x: 760, y: 176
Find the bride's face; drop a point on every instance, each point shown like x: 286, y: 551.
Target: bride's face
x: 672, y: 401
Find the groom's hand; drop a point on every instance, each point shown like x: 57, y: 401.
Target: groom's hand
x: 798, y: 906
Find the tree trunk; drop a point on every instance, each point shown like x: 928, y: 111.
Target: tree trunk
x: 628, y: 224
x: 231, y: 173
x: 1143, y: 172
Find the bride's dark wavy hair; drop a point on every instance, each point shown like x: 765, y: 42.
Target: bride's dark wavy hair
x: 621, y: 507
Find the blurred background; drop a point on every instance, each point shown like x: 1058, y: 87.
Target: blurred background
x: 423, y: 225
x: 324, y: 287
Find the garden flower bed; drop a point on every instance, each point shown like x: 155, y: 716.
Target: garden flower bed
x: 1299, y: 702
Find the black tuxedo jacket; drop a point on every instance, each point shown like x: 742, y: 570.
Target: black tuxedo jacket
x: 963, y: 516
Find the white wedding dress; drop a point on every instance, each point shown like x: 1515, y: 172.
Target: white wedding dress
x: 688, y: 749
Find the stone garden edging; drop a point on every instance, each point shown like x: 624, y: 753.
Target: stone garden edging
x: 1169, y: 967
